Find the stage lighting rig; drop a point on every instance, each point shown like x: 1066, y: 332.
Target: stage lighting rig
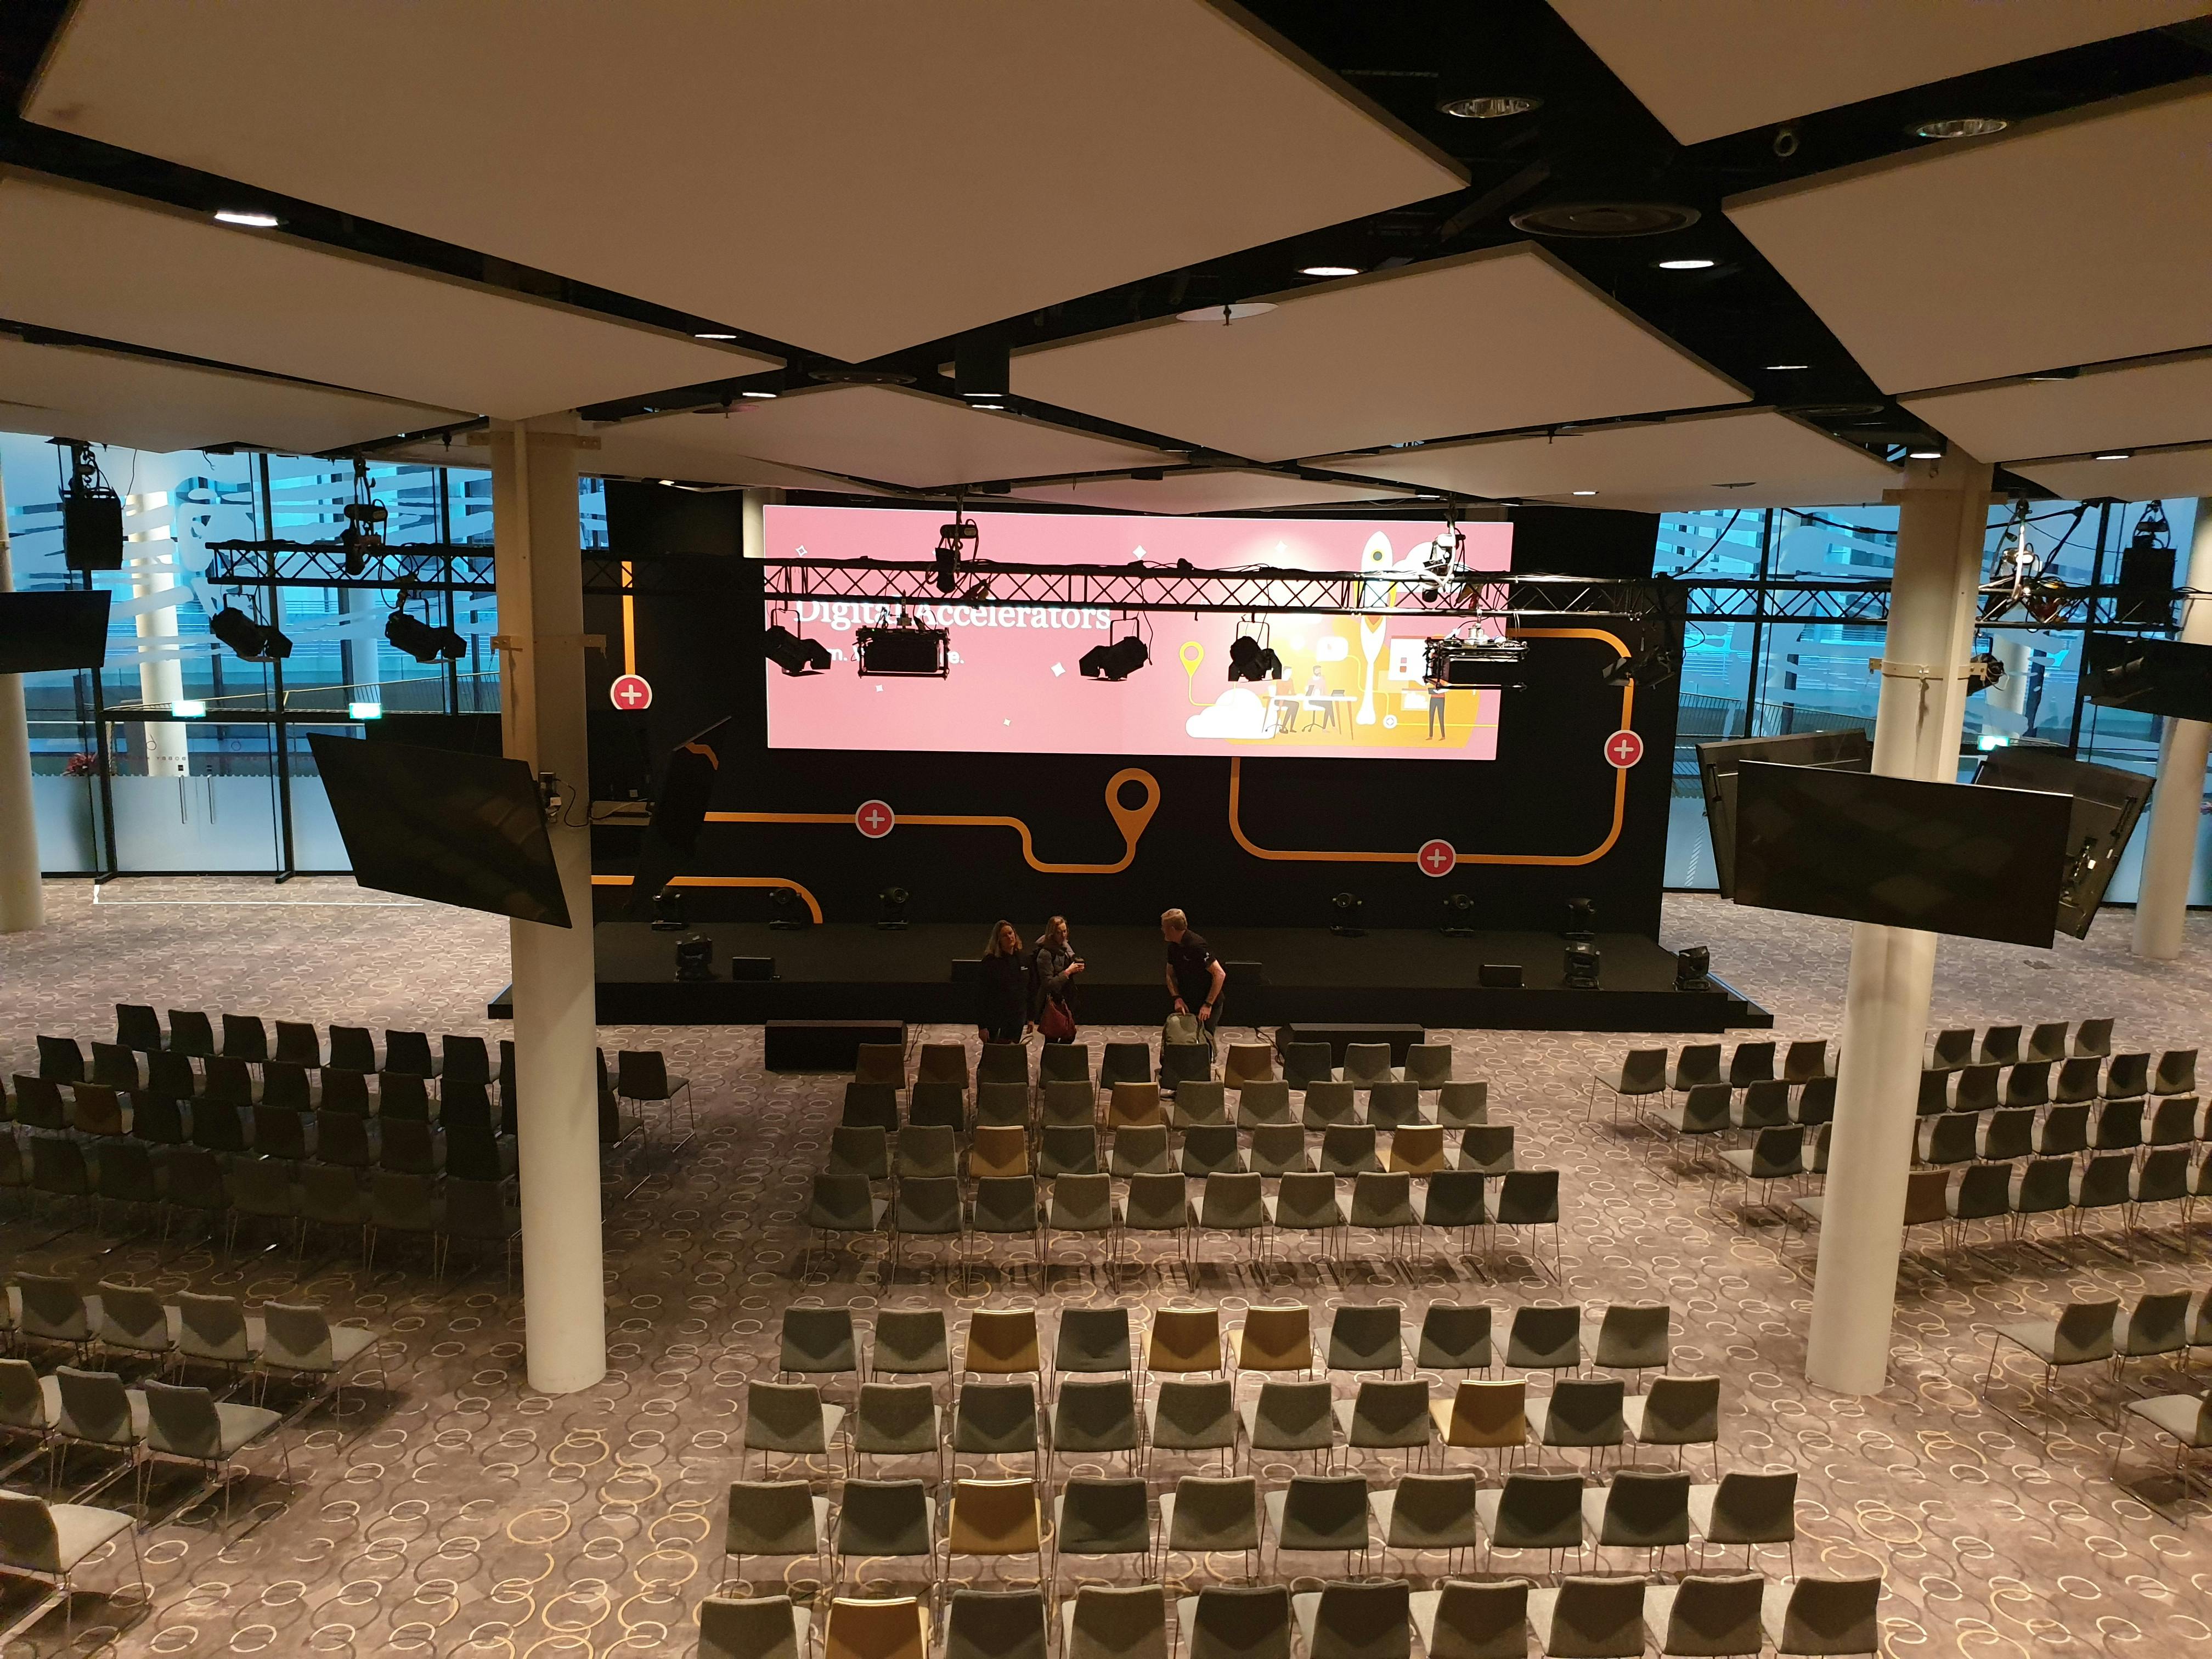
x: 894, y: 903
x: 952, y: 541
x: 253, y: 639
x: 783, y: 910
x: 1459, y: 916
x: 695, y: 959
x: 1984, y: 672
x: 1116, y: 660
x: 1582, y: 920
x: 365, y: 518
x: 92, y: 515
x: 668, y: 911
x: 1582, y: 968
x: 1653, y: 665
x: 419, y: 640
x: 1694, y: 967
x: 904, y: 649
x: 1253, y: 659
x: 1458, y: 659
x: 792, y: 653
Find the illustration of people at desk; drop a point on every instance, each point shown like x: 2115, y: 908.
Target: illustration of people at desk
x: 1322, y: 708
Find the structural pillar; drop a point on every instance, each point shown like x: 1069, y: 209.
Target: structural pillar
x: 2177, y: 803
x: 540, y: 581
x: 1941, y: 529
x: 23, y: 901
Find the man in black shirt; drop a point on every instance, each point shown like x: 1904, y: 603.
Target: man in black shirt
x: 1194, y: 979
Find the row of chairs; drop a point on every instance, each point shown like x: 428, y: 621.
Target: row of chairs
x: 1583, y: 1617
x: 2010, y: 1132
x: 1186, y: 1341
x: 96, y: 1112
x: 2013, y: 1194
x: 1985, y: 1084
x: 2004, y: 1045
x: 1272, y: 1149
x: 1236, y: 1205
x: 1425, y: 1065
x: 1070, y: 1104
x: 43, y: 1103
x: 2163, y: 1324
x: 1645, y: 1072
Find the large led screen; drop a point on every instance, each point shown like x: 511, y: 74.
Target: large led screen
x: 1351, y: 685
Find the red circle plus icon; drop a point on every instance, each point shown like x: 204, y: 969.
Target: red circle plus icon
x: 1624, y: 750
x: 630, y: 692
x: 875, y: 819
x: 1436, y: 858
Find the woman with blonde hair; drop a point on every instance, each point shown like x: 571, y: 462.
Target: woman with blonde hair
x: 1007, y: 999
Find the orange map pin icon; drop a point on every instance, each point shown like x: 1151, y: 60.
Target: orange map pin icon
x: 1132, y: 819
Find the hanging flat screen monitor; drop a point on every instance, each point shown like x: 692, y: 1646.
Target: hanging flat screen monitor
x: 1945, y: 858
x: 2150, y: 676
x: 439, y: 824
x: 42, y: 633
x: 1836, y: 751
x: 2107, y: 801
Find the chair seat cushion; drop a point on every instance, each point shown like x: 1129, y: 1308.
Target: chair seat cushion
x: 2180, y: 1415
x: 81, y: 1528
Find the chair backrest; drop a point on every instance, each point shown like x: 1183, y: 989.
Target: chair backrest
x: 1369, y: 1620
x: 1596, y: 1619
x: 1805, y: 1058
x: 1067, y: 1151
x: 910, y: 1342
x: 1248, y: 1062
x: 1211, y: 1151
x: 1539, y: 1512
x: 1348, y: 1148
x: 1429, y: 1064
x: 2127, y: 1075
x: 1184, y: 1340
x: 132, y: 1316
x: 1277, y: 1338
x: 942, y: 1062
x: 1104, y: 1517
x: 245, y: 1037
x: 927, y: 1149
x: 1826, y: 1616
x: 1069, y: 1101
x: 1387, y: 1413
x: 1488, y: 1413
x: 942, y: 1105
x: 1464, y: 1104
x: 1004, y: 1062
x: 1392, y: 1105
x: 2156, y: 1324
x: 182, y: 1420
x: 928, y: 1204
x: 114, y: 1065
x: 94, y: 1406
x: 760, y: 1627
x: 137, y: 1027
x: 1064, y: 1062
x: 2093, y: 1037
x: 1528, y: 1198
x: 23, y: 1401
x: 1754, y: 1508
x: 1157, y: 1202
x: 993, y: 1420
x: 786, y: 1416
x: 1999, y: 1045
x: 1696, y: 1063
x: 1092, y: 1340
x: 1716, y: 1617
x: 1185, y: 1062
x: 1140, y: 1151
x: 1324, y: 1512
x: 1544, y: 1338
x: 995, y: 1517
x: 53, y: 1309
x: 1107, y: 1622
x: 1454, y: 1337
x: 1265, y: 1100
x: 296, y: 1336
x: 996, y: 1625
x: 2176, y: 1073
x: 1306, y: 1063
x: 1681, y: 1411
x: 887, y: 1627
x: 880, y: 1062
x: 212, y: 1327
x: 298, y: 1043
x: 1307, y: 1199
x: 1240, y: 1622
x: 1001, y: 1342
x: 862, y: 1151
x: 60, y: 1061
x: 1634, y: 1335
x: 1480, y: 1621
x: 870, y: 1105
x: 409, y: 1051
x: 1366, y: 1063
x: 1215, y: 1513
x: 1751, y: 1062
x: 1201, y: 1100
x: 2047, y: 1042
x: 1006, y: 1204
x: 1134, y: 1102
x: 1365, y: 1337
x: 1125, y: 1062
x: 30, y: 1542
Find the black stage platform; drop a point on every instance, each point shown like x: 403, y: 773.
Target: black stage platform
x: 925, y: 975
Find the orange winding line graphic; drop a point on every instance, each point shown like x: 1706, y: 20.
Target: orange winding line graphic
x: 812, y: 904
x: 1619, y: 791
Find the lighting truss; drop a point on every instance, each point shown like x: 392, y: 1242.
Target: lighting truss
x: 425, y: 567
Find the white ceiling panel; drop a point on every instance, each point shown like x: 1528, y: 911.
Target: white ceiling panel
x: 1710, y: 67
x: 852, y: 178
x: 1754, y: 458
x: 1932, y: 269
x: 2148, y: 475
x: 903, y: 437
x: 2165, y: 400
x: 89, y: 261
x: 1503, y: 337
x: 152, y: 403
x: 1215, y: 489
x: 696, y: 449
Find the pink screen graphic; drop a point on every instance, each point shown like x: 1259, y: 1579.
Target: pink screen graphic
x: 1351, y: 685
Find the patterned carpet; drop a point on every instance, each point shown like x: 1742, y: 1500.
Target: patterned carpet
x: 450, y: 1511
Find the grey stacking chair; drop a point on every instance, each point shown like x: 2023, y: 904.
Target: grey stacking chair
x: 1096, y: 1415
x: 1224, y: 1622
x: 1185, y: 1062
x: 1428, y: 1065
x: 1749, y: 1508
x: 2000, y: 1045
x: 1084, y: 1205
x: 52, y: 1310
x: 1067, y: 1151
x: 298, y: 1043
x: 865, y: 1153
x: 1139, y: 1151
x: 1064, y: 1062
x: 1366, y: 1063
x: 2046, y: 1042
x: 1305, y: 1064
x: 1109, y: 1622
x: 870, y: 1105
x: 1006, y: 1206
x: 2006, y: 1135
x: 60, y: 1168
x: 1306, y: 1203
x: 158, y: 1120
x: 1530, y: 1199
x: 191, y: 1033
x: 1328, y: 1104
x: 28, y: 1404
x: 1824, y: 1616
x: 937, y: 1106
x: 1642, y: 1075
x: 2082, y: 1334
x: 1248, y: 1062
x: 38, y: 1103
x: 1816, y: 1102
x: 1805, y: 1059
x: 345, y: 1094
x: 942, y: 1062
x: 1325, y: 1513
x: 1545, y: 1339
x: 926, y: 1151
x: 191, y: 1425
x: 888, y: 1518
x: 196, y: 1181
x: 2157, y: 1325
x: 1642, y: 1509
x: 1695, y: 1063
x: 1263, y: 1102
x: 1953, y: 1138
x: 286, y: 1086
x: 404, y: 1096
x: 1462, y: 1105
x: 1427, y: 1512
x: 130, y: 1320
x: 896, y: 1419
x: 2162, y: 1177
x: 1349, y: 1620
x: 910, y: 1342
x: 1750, y: 1063
x: 1233, y: 1202
x: 1589, y: 1617
x: 2176, y: 1073
x: 1290, y: 1418
x: 1391, y: 1105
x: 998, y: 1419
x: 926, y: 1207
x: 1487, y: 1149
x: 2119, y: 1125
x: 1763, y: 1104
x: 777, y: 1518
x: 214, y: 1330
x: 1188, y: 1415
x: 1634, y: 1336
x: 817, y: 1342
x: 2042, y: 1186
x: 1985, y: 1193
x: 1209, y: 1514
x: 1456, y: 1337
x: 138, y: 1027
x: 1979, y: 1088
x: 1388, y: 1415
x: 299, y: 1340
x: 1582, y: 1412
x: 126, y: 1174
x: 1703, y: 1114
x: 2063, y: 1130
x: 1069, y: 1105
x: 115, y: 1067
x: 2173, y: 1121
x: 1124, y: 1062
x: 245, y: 1037
x: 1366, y: 1337
x: 880, y: 1062
x: 1279, y: 1149
x: 52, y: 1540
x: 1382, y: 1204
x: 1462, y: 1619
x: 2093, y: 1037
x: 1532, y: 1512
x: 1678, y: 1411
x: 1199, y: 1103
x: 1348, y: 1149
x: 1707, y: 1618
x: 1210, y: 1152
x: 1095, y: 1518
x: 60, y: 1061
x: 2127, y: 1075
x: 2028, y: 1084
x: 2105, y: 1182
x: 788, y: 1419
x: 97, y: 1410
x: 1004, y: 1062
x: 1092, y: 1340
x: 1158, y: 1204
x: 758, y: 1627
x: 2185, y: 1419
x: 844, y: 1203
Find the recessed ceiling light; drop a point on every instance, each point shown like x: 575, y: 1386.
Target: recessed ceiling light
x: 996, y: 409
x: 1490, y: 109
x: 756, y: 394
x: 252, y: 218
x: 2115, y: 455
x: 1328, y: 270
x: 1585, y: 492
x: 670, y: 482
x: 1777, y: 369
x: 1961, y: 126
x: 1233, y: 312
x: 1922, y: 453
x: 1687, y: 264
x: 713, y: 336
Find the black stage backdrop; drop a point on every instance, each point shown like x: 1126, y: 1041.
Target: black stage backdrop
x: 1548, y: 809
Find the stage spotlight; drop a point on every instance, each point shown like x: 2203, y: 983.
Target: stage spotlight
x: 253, y: 640
x: 1345, y: 907
x: 1451, y: 659
x: 1459, y: 916
x: 893, y: 900
x: 1653, y: 665
x: 1117, y: 660
x: 982, y: 368
x: 1582, y: 920
x: 783, y: 907
x: 421, y: 641
x: 1248, y: 659
x: 792, y: 653
x: 1984, y: 672
x: 1693, y: 964
x: 952, y: 541
x: 694, y: 957
x: 668, y: 911
x: 1583, y: 962
x: 904, y: 649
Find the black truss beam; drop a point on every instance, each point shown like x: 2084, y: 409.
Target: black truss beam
x: 426, y: 567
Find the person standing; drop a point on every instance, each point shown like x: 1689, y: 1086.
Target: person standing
x: 1007, y: 998
x: 1057, y: 966
x: 1194, y: 978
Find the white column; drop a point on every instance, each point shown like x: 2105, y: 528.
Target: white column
x: 540, y: 578
x: 2176, y: 802
x: 23, y: 901
x: 1931, y: 612
x: 161, y: 683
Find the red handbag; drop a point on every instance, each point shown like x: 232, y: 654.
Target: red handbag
x: 1056, y: 1024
